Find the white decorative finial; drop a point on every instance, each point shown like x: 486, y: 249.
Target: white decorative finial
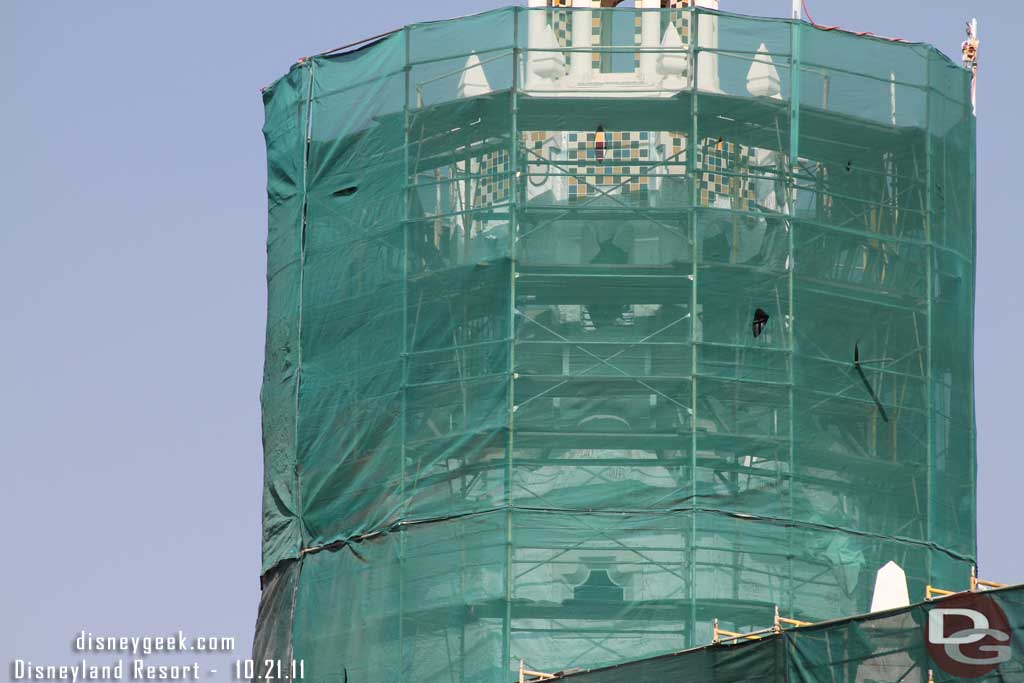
x: 673, y: 61
x: 763, y: 78
x: 890, y: 588
x: 473, y: 81
x: 546, y: 57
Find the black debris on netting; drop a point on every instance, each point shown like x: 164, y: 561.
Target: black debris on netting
x: 760, y: 320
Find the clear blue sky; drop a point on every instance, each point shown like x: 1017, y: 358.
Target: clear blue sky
x: 132, y: 295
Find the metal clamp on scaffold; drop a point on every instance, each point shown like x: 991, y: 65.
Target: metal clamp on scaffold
x: 976, y: 586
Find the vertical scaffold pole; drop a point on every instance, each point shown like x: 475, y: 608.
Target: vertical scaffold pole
x: 930, y: 393
x: 794, y: 162
x: 406, y: 201
x: 694, y: 172
x: 513, y: 231
x: 304, y: 535
x: 307, y: 137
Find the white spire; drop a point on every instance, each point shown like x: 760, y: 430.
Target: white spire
x: 672, y: 63
x: 551, y: 62
x: 763, y: 78
x: 890, y: 588
x: 473, y: 81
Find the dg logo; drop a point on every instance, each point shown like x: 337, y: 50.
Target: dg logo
x: 967, y: 635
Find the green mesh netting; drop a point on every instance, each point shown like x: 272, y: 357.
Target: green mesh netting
x: 587, y: 328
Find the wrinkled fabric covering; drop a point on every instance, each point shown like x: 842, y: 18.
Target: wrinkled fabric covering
x: 514, y: 406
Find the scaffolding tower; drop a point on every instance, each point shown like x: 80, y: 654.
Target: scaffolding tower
x: 591, y: 329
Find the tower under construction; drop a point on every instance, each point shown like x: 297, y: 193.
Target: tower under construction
x: 594, y: 330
